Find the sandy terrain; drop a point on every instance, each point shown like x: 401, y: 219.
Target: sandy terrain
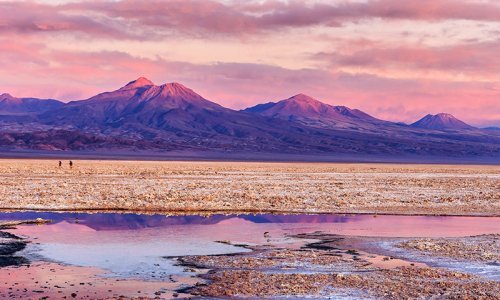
x: 249, y: 186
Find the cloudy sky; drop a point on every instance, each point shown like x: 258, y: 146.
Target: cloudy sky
x: 397, y: 60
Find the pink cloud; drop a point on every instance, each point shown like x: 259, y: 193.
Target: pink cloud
x: 32, y: 67
x: 470, y: 58
x: 28, y: 17
x: 77, y: 75
x: 239, y: 17
x: 152, y: 19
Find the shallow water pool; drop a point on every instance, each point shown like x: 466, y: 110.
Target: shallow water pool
x: 135, y: 245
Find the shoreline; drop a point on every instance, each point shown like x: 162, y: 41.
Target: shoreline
x: 331, y: 265
x: 308, y: 262
x: 251, y: 157
x: 237, y: 212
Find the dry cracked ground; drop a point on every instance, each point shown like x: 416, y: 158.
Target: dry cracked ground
x: 250, y: 186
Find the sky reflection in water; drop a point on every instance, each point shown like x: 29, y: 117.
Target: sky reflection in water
x: 131, y: 245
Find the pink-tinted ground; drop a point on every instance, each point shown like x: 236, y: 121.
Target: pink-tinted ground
x: 57, y: 281
x: 113, y: 254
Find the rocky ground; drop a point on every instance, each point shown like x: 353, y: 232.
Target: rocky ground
x: 10, y: 244
x: 249, y: 186
x: 482, y: 248
x: 324, y: 269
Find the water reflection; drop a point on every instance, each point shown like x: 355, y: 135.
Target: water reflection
x: 345, y: 224
x: 118, y: 221
x: 133, y: 245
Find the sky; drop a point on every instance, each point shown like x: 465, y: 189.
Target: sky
x: 396, y: 60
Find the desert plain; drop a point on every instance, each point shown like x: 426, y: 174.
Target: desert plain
x: 312, y: 264
x: 170, y: 186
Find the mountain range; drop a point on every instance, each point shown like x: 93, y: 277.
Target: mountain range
x: 311, y: 112
x: 12, y: 105
x: 441, y: 121
x: 128, y: 221
x: 142, y: 116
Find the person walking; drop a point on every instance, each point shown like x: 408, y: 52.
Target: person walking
x: 60, y: 164
x: 71, y: 164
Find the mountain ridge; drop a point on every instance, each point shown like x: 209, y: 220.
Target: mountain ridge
x: 143, y: 116
x: 441, y: 121
x: 312, y: 112
x: 173, y: 88
x: 12, y: 105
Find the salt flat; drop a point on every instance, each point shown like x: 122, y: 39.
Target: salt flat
x: 183, y: 187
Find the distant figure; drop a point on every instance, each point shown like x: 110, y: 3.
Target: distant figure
x: 71, y: 164
x: 60, y: 164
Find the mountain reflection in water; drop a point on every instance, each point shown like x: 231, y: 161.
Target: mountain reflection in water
x: 369, y: 225
x: 133, y: 245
